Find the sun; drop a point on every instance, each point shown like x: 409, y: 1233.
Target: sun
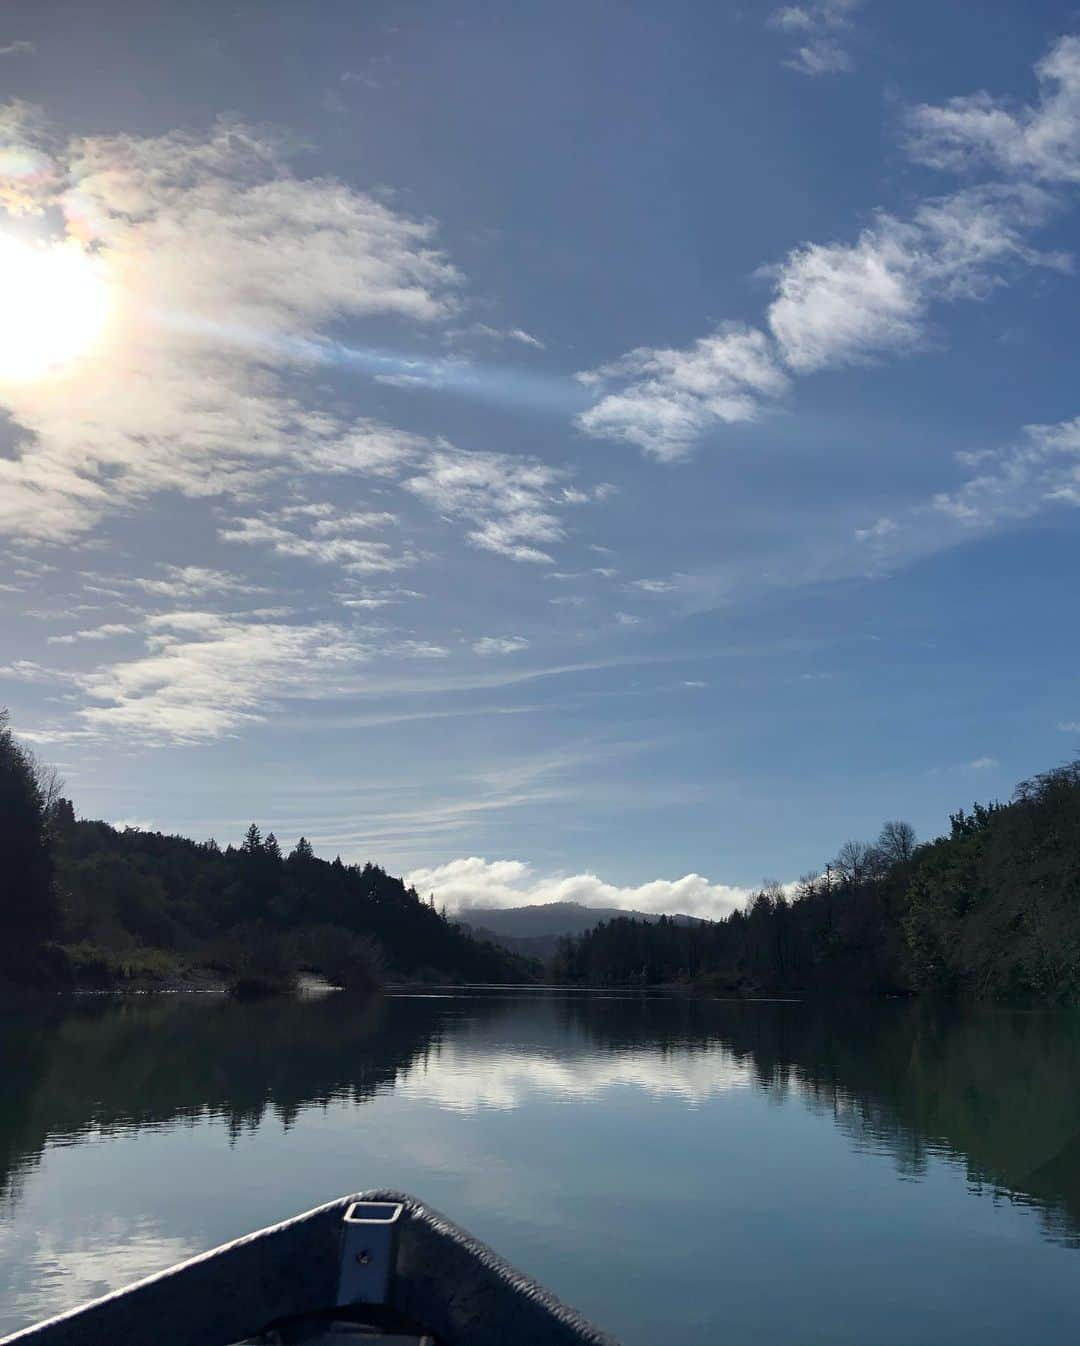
x: 53, y: 305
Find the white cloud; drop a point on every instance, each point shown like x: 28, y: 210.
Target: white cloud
x: 847, y: 303
x: 476, y: 882
x: 835, y: 304
x: 844, y: 303
x: 482, y: 329
x: 206, y: 674
x: 511, y: 504
x: 1042, y: 470
x: 525, y: 338
x: 28, y: 173
x: 27, y: 670
x: 56, y: 734
x: 1037, y: 473
x: 1041, y: 142
x: 500, y: 644
x: 462, y: 1080
x: 367, y: 597
x: 665, y: 398
x: 416, y: 649
x: 329, y: 525
x: 195, y: 582
x: 509, y: 501
x: 223, y: 269
x: 982, y: 764
x: 879, y: 528
x: 367, y: 447
x: 404, y: 380
x: 106, y: 632
x: 817, y: 27
x: 823, y: 56
x: 324, y: 543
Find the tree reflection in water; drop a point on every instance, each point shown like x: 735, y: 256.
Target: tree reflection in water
x: 995, y: 1091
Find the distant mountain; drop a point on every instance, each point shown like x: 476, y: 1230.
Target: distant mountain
x: 536, y: 930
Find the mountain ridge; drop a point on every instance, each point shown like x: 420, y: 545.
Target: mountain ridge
x: 536, y: 928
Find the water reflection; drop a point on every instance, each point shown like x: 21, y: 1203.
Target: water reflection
x: 492, y: 1103
x: 995, y: 1091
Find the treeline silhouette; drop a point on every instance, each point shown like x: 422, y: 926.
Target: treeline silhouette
x: 992, y: 910
x: 84, y: 903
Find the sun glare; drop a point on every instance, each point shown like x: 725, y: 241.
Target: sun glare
x: 53, y: 305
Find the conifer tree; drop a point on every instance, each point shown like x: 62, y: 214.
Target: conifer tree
x: 302, y: 850
x: 28, y: 909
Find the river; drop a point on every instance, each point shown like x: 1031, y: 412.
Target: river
x: 691, y: 1172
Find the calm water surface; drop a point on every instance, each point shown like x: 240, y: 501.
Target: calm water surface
x: 692, y: 1173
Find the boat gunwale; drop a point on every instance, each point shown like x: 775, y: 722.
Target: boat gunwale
x: 458, y: 1287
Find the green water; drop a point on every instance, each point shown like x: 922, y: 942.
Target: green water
x: 685, y: 1172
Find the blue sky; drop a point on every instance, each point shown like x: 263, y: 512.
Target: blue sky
x: 611, y: 451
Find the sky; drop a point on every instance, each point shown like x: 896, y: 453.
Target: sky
x: 604, y: 451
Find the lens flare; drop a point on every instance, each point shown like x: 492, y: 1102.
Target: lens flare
x: 53, y: 305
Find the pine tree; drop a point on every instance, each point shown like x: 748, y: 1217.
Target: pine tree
x: 302, y: 850
x: 29, y: 912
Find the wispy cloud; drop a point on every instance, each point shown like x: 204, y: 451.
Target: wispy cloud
x: 1001, y: 487
x: 183, y: 582
x: 654, y: 586
x: 205, y: 674
x: 500, y: 644
x: 842, y: 304
x: 28, y: 670
x: 848, y: 303
x: 367, y: 597
x: 662, y: 399
x: 1039, y: 141
x: 510, y: 502
x: 818, y: 29
x: 835, y: 304
x: 483, y: 330
x: 106, y: 632
x: 327, y: 541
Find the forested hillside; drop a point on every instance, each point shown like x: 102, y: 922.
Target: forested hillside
x: 538, y: 930
x: 991, y: 910
x: 83, y: 902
